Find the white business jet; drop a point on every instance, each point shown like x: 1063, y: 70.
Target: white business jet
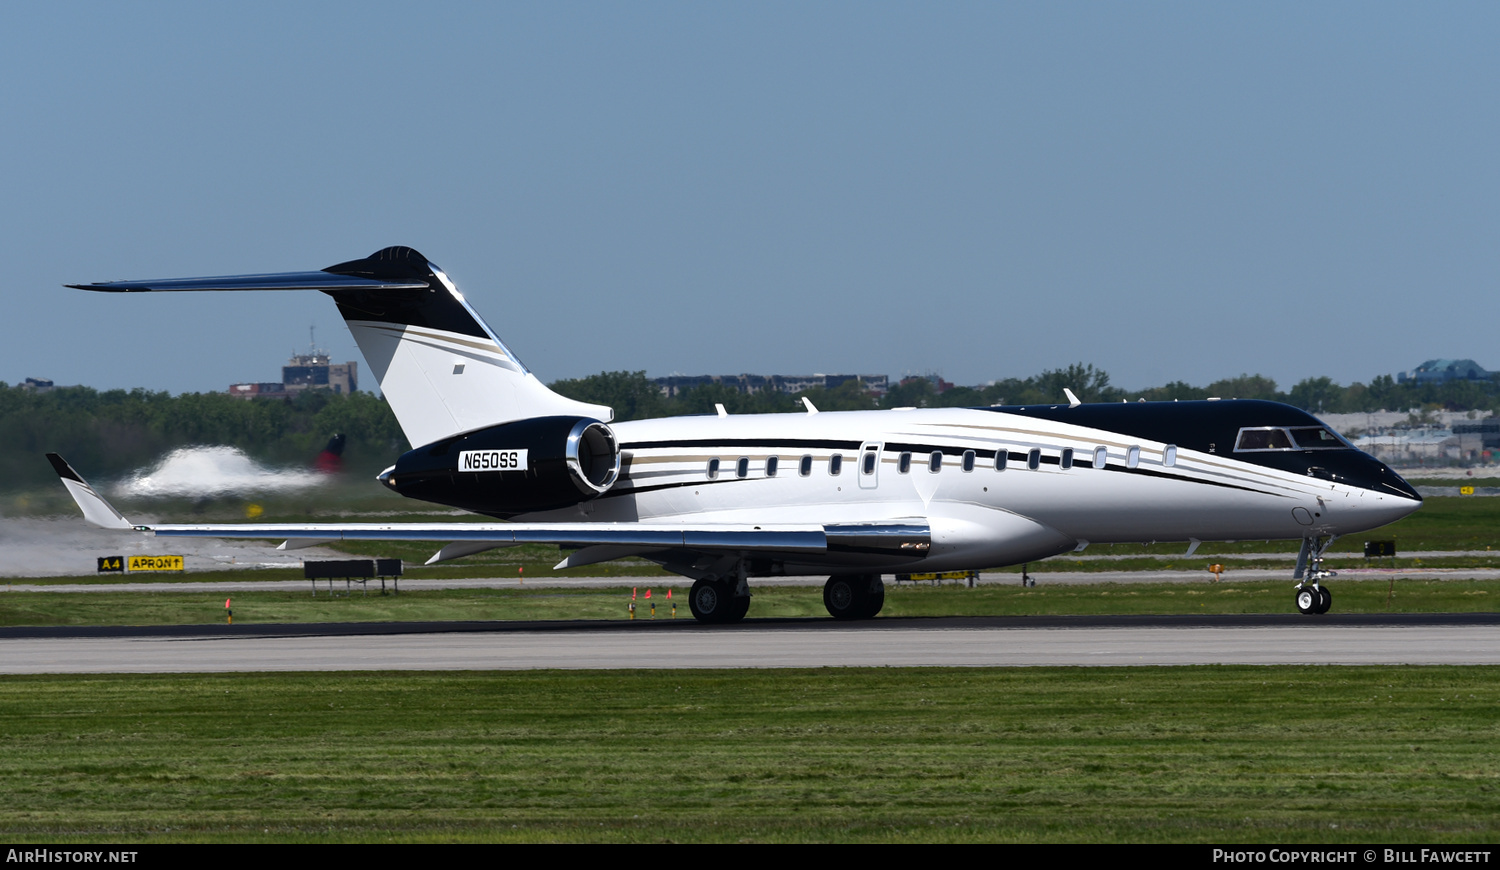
x: 724, y: 499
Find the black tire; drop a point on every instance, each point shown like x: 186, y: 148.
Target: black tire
x: 874, y: 596
x: 711, y: 601
x: 1325, y: 599
x: 738, y: 607
x: 844, y: 596
x: 1308, y: 599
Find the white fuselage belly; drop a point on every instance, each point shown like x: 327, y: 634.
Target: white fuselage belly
x: 979, y: 518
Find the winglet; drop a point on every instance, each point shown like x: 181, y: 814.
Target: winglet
x: 811, y: 409
x: 1072, y: 399
x: 95, y: 509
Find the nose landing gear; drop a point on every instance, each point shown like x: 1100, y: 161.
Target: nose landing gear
x: 1314, y: 599
x: 1312, y: 596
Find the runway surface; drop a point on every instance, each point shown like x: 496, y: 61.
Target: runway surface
x: 970, y: 642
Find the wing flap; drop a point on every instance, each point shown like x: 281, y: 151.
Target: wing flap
x: 796, y: 538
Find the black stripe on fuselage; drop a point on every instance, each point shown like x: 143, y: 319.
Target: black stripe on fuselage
x: 828, y: 444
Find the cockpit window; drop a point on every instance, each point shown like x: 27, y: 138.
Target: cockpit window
x: 1288, y: 438
x: 1317, y: 438
x: 1263, y: 439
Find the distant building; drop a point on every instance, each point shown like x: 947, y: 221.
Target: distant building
x: 309, y: 371
x: 259, y: 390
x: 1422, y: 446
x: 36, y: 385
x: 314, y: 371
x: 1437, y: 371
x: 672, y: 385
x: 1487, y: 430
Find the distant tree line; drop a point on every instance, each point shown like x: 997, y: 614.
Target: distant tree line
x: 112, y: 432
x: 634, y: 396
x: 115, y: 431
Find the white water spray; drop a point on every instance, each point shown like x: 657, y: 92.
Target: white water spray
x: 194, y: 472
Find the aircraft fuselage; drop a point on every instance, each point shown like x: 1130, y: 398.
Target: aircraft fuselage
x: 1070, y: 476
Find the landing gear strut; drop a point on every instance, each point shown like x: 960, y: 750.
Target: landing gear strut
x: 854, y: 596
x: 1312, y: 596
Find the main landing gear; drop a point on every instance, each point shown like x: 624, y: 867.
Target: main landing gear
x: 719, y: 601
x: 1312, y: 596
x: 854, y: 596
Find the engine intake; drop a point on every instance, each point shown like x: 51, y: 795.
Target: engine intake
x: 520, y: 467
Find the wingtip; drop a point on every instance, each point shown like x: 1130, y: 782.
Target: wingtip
x: 94, y: 506
x: 63, y: 469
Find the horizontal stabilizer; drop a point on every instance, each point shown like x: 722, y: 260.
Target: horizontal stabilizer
x: 326, y: 281
x: 440, y: 367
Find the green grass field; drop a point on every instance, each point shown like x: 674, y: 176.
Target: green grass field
x: 1213, y: 754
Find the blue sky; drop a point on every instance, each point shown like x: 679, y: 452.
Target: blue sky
x: 1167, y: 191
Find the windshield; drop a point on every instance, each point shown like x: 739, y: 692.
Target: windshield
x: 1261, y: 438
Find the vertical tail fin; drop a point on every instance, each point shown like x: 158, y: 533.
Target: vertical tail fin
x: 439, y: 365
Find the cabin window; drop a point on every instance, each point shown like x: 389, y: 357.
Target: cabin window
x: 903, y: 465
x: 1034, y: 459
x: 1000, y: 457
x: 1169, y: 456
x: 935, y: 461
x: 1101, y: 457
x: 968, y: 460
x: 742, y: 468
x: 835, y: 463
x: 771, y: 463
x: 1067, y: 458
x: 713, y: 468
x: 867, y: 463
x: 1133, y: 457
x: 806, y: 467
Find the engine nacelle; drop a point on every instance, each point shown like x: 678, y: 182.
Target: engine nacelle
x: 513, y: 468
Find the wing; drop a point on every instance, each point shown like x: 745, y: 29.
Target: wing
x: 596, y: 542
